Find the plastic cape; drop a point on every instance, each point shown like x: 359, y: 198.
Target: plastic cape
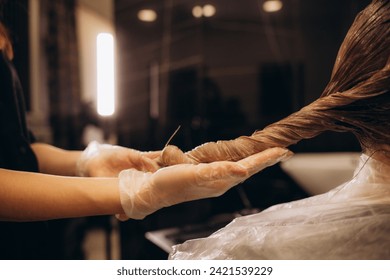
x: 351, y: 221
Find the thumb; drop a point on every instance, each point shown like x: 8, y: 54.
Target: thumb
x: 269, y: 157
x: 142, y: 161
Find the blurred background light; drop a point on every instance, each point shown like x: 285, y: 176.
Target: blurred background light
x: 209, y: 10
x: 147, y: 15
x: 205, y: 11
x: 271, y: 6
x: 197, y: 11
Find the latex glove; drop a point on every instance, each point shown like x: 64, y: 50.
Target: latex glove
x: 143, y: 193
x: 104, y: 160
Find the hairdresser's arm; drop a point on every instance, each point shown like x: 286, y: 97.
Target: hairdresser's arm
x: 56, y: 161
x: 97, y: 160
x: 28, y: 196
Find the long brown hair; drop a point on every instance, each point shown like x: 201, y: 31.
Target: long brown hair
x: 355, y: 100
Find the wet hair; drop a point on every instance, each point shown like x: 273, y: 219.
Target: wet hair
x: 356, y: 99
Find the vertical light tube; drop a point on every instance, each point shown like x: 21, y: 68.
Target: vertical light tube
x: 105, y: 74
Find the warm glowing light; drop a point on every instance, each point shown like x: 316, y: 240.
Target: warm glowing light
x: 197, y: 11
x: 147, y: 15
x: 209, y: 10
x: 205, y: 11
x: 105, y: 74
x: 271, y: 6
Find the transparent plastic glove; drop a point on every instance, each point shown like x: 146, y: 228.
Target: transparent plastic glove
x: 144, y: 193
x: 104, y: 160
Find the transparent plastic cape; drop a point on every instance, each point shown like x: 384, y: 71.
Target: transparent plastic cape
x: 351, y: 221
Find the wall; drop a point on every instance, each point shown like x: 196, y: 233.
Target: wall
x: 38, y: 116
x: 93, y: 17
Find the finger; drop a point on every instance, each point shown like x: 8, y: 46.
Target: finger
x: 175, y: 174
x: 152, y: 154
x: 150, y: 165
x: 259, y: 161
x: 220, y: 171
x: 226, y: 170
x: 142, y: 162
x: 230, y: 174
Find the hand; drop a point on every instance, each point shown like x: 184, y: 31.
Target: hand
x: 144, y: 193
x: 104, y: 160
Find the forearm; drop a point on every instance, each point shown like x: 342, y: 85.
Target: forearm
x: 56, y: 161
x: 28, y: 196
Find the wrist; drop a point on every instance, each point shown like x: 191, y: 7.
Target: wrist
x: 135, y: 193
x: 82, y: 163
x: 104, y: 194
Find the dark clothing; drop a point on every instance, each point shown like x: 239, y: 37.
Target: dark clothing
x: 25, y: 240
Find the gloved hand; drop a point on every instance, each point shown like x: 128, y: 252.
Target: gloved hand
x: 104, y: 160
x: 143, y: 193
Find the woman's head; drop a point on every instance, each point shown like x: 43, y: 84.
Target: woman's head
x: 360, y: 81
x: 365, y: 49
